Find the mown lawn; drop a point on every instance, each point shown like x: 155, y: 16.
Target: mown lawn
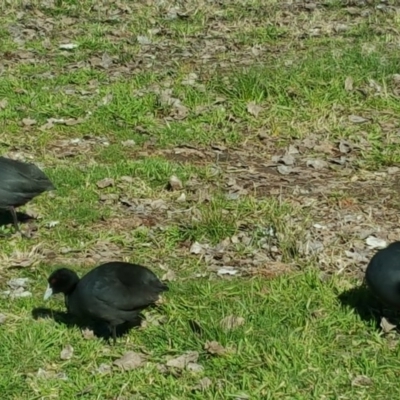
x: 243, y: 150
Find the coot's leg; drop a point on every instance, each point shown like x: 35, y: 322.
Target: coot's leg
x: 114, y: 334
x: 15, y: 221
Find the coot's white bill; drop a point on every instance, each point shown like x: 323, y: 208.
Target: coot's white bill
x: 48, y: 292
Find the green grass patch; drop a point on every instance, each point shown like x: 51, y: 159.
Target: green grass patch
x: 295, y: 334
x: 231, y: 84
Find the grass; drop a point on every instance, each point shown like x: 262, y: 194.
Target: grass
x: 149, y: 93
x: 296, y: 333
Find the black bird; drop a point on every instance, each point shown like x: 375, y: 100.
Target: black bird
x: 20, y: 182
x: 383, y: 275
x: 114, y: 292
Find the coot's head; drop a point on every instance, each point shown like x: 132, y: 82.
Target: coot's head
x: 62, y: 280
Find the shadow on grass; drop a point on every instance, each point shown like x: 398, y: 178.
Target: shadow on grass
x: 367, y: 306
x: 7, y: 219
x: 99, y: 328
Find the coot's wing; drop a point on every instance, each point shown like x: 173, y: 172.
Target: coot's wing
x: 127, y: 295
x: 27, y: 177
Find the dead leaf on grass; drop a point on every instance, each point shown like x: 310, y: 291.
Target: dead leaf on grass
x: 153, y: 320
x: 111, y: 197
x: 43, y: 374
x: 3, y: 103
x: 361, y: 380
x: 231, y: 322
x: 17, y: 283
x: 227, y: 271
x: 375, y: 243
x: 104, y: 369
x: 196, y: 248
x: 175, y: 183
x: 386, y: 325
x: 356, y: 119
x: 194, y: 367
x: 67, y: 352
x: 3, y: 319
x: 214, y: 347
x: 184, y: 360
x: 67, y: 46
x: 254, y: 109
x: 190, y: 79
x: 106, y: 61
x: 128, y: 143
x: 345, y: 146
x: 348, y: 84
x: 317, y: 164
x: 29, y: 121
x: 130, y: 360
x: 18, y: 293
x: 203, y: 384
x: 106, y: 182
x: 88, y: 334
x: 393, y: 170
x: 181, y: 198
x: 144, y: 40
x: 284, y: 169
x: 107, y: 99
x: 288, y: 159
x: 169, y: 276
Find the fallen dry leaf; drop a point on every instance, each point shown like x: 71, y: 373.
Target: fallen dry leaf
x: 288, y: 159
x: 356, y: 119
x: 144, y: 40
x: 88, y: 334
x: 345, y: 147
x: 348, y: 84
x: 104, y: 369
x: 375, y: 243
x: 194, y: 367
x: 67, y: 46
x: 106, y: 182
x: 203, y: 384
x: 317, y: 164
x: 128, y: 143
x: 214, y: 347
x: 181, y: 198
x: 16, y: 283
x: 175, y: 183
x: 361, y: 380
x: 43, y: 374
x: 231, y: 322
x: 169, y: 276
x: 227, y: 271
x: 3, y: 103
x: 28, y: 121
x: 67, y: 352
x: 386, y: 325
x: 182, y: 361
x: 196, y: 248
x: 130, y: 360
x: 284, y: 169
x: 254, y: 109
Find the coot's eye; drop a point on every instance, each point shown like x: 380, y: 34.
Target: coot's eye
x: 53, y: 281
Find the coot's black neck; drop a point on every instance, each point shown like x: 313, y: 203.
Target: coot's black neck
x: 71, y: 287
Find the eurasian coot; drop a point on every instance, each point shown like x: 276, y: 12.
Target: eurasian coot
x: 114, y: 292
x: 383, y: 275
x: 20, y: 182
